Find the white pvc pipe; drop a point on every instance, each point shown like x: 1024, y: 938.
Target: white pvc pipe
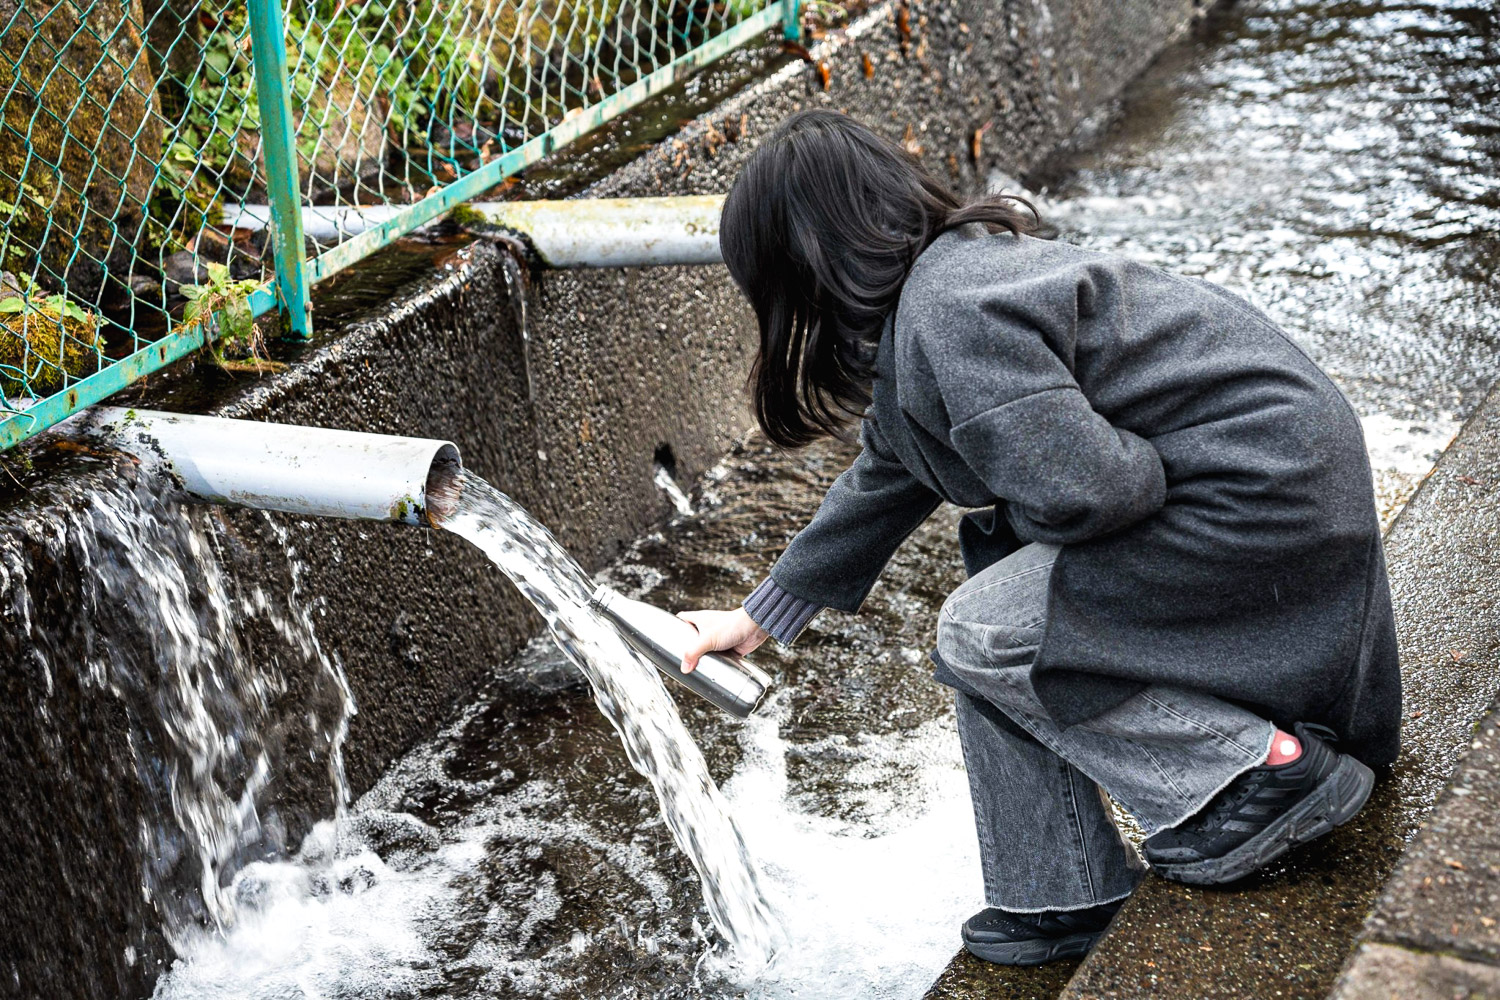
x: 615, y: 232
x: 583, y: 232
x: 301, y: 470
x: 320, y: 222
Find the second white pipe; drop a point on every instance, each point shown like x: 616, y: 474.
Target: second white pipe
x: 582, y: 232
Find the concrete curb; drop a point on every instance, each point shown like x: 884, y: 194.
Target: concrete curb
x: 1384, y: 972
x: 1287, y: 932
x: 1434, y: 931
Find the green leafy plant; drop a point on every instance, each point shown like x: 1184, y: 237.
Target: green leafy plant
x: 214, y: 109
x: 56, y: 305
x: 222, y: 307
x: 422, y: 68
x: 420, y: 64
x: 399, y: 50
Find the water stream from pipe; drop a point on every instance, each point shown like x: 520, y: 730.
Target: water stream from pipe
x: 630, y: 693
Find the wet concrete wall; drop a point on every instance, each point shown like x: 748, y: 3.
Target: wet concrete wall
x: 613, y: 368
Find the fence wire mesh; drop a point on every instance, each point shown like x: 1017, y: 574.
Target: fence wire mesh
x: 393, y: 99
x: 134, y: 175
x: 119, y: 140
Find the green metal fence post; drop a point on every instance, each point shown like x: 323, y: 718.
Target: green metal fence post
x: 279, y: 145
x: 792, y: 19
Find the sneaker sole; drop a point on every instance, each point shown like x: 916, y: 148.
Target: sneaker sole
x: 1333, y: 803
x: 1037, y: 951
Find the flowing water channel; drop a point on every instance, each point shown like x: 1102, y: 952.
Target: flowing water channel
x: 1339, y: 165
x: 1334, y: 164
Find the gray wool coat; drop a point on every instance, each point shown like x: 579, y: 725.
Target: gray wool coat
x: 1207, y: 482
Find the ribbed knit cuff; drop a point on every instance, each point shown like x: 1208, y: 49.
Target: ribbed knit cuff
x: 781, y: 614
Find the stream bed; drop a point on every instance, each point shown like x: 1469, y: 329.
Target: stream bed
x: 1339, y: 166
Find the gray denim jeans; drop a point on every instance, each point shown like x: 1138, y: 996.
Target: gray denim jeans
x: 1046, y: 839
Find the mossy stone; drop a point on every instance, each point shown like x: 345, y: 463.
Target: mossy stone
x: 44, y: 345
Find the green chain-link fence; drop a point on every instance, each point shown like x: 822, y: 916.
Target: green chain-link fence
x: 141, y: 142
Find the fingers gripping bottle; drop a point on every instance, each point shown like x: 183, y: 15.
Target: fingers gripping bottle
x: 730, y: 682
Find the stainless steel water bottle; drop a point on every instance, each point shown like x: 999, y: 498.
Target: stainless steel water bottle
x: 733, y: 684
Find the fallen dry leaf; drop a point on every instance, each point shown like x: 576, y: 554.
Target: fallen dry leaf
x: 800, y: 51
x: 867, y: 64
x: 712, y: 138
x: 1454, y: 863
x: 909, y: 142
x: 976, y: 141
x: 74, y: 446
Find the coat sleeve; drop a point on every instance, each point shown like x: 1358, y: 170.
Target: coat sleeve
x: 1020, y: 421
x: 836, y: 559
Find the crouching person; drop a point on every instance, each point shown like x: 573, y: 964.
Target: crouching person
x: 1177, y: 591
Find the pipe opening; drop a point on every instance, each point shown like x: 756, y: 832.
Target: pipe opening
x: 444, y: 485
x: 663, y: 457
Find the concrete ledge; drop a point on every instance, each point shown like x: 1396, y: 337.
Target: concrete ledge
x: 1381, y: 972
x: 1434, y: 931
x: 1286, y: 933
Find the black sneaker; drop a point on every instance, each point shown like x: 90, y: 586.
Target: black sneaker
x: 1263, y: 814
x: 1007, y: 938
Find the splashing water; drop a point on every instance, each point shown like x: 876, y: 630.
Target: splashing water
x: 158, y: 628
x: 664, y: 482
x: 376, y: 900
x: 631, y: 695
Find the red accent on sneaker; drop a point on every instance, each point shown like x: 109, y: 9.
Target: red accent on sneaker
x: 1285, y: 748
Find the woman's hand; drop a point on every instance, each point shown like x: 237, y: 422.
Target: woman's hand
x: 720, y: 630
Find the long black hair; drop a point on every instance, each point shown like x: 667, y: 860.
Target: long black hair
x: 819, y: 231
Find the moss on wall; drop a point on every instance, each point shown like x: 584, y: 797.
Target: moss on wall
x: 81, y: 142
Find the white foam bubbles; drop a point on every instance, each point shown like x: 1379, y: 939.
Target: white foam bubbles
x: 871, y: 908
